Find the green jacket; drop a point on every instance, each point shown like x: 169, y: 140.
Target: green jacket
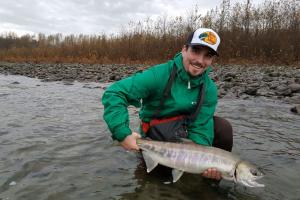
x: 145, y: 90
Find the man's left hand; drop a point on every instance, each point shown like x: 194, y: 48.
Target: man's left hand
x: 212, y: 173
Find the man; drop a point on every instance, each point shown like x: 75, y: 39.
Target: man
x: 146, y: 90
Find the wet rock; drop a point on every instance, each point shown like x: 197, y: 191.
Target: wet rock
x: 68, y: 83
x: 13, y: 183
x: 267, y: 78
x: 221, y: 92
x: 227, y: 86
x: 229, y: 95
x: 294, y: 87
x: 41, y: 76
x: 283, y: 91
x: 88, y: 86
x: 295, y: 99
x: 265, y: 92
x: 273, y: 85
x: 254, y: 85
x: 233, y: 81
x: 274, y: 74
x: 229, y: 76
x: 296, y: 109
x: 104, y: 87
x: 114, y: 77
x: 244, y: 96
x: 15, y: 83
x: 251, y: 91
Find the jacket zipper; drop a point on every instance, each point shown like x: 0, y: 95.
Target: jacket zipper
x: 189, y: 85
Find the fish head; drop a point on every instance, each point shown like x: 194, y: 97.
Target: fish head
x: 247, y: 174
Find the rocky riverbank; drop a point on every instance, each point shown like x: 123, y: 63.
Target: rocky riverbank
x: 233, y: 81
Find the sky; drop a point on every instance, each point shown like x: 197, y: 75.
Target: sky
x: 90, y: 16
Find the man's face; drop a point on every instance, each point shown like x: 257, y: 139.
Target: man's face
x: 196, y: 59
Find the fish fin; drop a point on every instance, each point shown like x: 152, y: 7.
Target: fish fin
x: 150, y: 163
x: 231, y: 176
x: 228, y: 177
x: 185, y: 140
x: 176, y: 174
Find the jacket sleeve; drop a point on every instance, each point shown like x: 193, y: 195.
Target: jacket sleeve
x: 120, y: 95
x: 201, y: 131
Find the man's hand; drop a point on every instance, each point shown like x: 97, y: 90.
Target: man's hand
x: 129, y: 143
x: 212, y: 173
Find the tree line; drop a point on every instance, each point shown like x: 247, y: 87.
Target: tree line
x: 252, y: 33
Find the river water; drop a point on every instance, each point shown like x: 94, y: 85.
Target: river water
x: 54, y: 144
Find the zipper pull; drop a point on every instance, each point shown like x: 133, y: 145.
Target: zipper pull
x: 189, y: 85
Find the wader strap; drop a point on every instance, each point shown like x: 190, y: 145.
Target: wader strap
x: 166, y: 94
x: 200, y: 101
x: 166, y: 91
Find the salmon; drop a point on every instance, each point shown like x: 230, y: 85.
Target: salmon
x: 193, y: 158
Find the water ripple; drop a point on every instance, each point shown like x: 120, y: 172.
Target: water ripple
x: 55, y: 145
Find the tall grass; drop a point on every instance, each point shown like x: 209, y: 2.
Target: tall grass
x: 264, y: 33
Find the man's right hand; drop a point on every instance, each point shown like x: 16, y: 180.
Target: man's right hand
x: 129, y: 143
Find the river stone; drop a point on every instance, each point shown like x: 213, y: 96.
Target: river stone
x: 68, y: 82
x: 295, y: 98
x: 245, y: 96
x: 229, y: 76
x: 267, y: 78
x: 13, y: 183
x: 295, y: 87
x: 221, y: 92
x: 273, y: 85
x: 251, y: 91
x: 254, y: 85
x: 274, y: 74
x: 227, y: 86
x: 283, y: 90
x: 114, y: 77
x: 15, y: 83
x: 265, y: 92
x: 297, y: 74
x: 296, y: 109
x: 255, y: 80
x: 229, y: 95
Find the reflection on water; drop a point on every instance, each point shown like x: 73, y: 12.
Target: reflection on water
x: 55, y: 145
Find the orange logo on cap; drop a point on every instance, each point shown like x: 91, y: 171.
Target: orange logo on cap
x: 208, y: 37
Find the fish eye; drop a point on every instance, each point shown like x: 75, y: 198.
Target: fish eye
x: 255, y: 172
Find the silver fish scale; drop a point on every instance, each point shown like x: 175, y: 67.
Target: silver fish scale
x: 193, y: 160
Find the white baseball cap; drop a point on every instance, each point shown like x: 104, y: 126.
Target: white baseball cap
x: 205, y: 37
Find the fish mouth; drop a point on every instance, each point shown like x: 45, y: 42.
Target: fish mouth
x: 252, y: 183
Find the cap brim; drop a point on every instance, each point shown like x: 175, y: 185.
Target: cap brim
x: 215, y: 53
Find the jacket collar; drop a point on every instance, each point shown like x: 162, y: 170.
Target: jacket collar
x: 185, y: 77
